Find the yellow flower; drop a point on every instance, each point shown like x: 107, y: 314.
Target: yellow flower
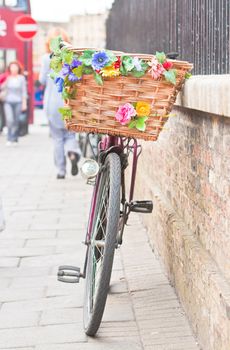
x: 110, y: 71
x: 143, y: 109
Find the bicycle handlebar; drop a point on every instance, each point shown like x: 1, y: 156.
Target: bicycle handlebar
x: 65, y: 45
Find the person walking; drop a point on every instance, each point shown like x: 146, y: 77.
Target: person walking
x: 15, y: 100
x: 3, y: 76
x: 65, y: 143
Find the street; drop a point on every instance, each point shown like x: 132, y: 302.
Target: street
x: 45, y: 226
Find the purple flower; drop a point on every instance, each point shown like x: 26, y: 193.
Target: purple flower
x: 99, y: 60
x: 60, y: 83
x: 75, y: 63
x: 65, y: 69
x: 73, y: 78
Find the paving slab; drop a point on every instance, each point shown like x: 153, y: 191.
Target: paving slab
x: 46, y: 222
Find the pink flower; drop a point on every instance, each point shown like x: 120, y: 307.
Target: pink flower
x: 156, y: 68
x: 125, y: 113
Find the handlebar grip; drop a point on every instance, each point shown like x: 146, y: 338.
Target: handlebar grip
x: 172, y: 55
x: 64, y: 44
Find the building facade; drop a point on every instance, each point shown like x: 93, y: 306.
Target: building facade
x: 84, y: 30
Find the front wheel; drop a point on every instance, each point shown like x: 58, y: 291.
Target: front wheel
x: 102, y: 244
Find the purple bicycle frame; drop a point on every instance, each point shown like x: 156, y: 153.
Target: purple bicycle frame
x: 105, y: 144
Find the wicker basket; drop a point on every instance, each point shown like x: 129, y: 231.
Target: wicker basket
x: 94, y: 106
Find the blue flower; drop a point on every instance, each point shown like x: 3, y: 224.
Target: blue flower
x: 99, y: 60
x: 60, y: 83
x: 75, y: 63
x: 73, y: 78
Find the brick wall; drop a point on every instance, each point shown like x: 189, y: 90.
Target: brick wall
x: 187, y: 174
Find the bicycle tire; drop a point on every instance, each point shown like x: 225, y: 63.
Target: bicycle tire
x: 105, y: 229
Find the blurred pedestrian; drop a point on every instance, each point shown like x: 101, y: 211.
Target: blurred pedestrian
x: 3, y: 76
x: 15, y: 100
x: 65, y: 143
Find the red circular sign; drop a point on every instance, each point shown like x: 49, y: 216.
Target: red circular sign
x: 25, y: 27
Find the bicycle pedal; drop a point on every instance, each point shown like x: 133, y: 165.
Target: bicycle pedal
x: 69, y: 274
x: 144, y: 207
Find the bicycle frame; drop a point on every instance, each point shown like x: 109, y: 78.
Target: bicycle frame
x: 123, y: 147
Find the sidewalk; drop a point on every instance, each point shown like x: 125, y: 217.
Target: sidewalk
x: 46, y: 220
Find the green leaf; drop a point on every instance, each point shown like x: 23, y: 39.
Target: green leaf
x: 86, y: 57
x: 56, y: 64
x: 144, y: 65
x: 87, y: 70
x: 137, y: 73
x: 65, y: 94
x: 140, y: 124
x: 98, y: 78
x: 112, y: 57
x: 55, y: 45
x: 127, y: 62
x: 123, y: 70
x: 67, y: 56
x: 78, y: 71
x: 143, y: 119
x: 161, y: 57
x: 132, y: 124
x: 188, y: 75
x: 73, y: 93
x: 66, y: 112
x: 170, y: 76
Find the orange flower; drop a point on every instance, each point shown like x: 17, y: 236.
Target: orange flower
x: 143, y: 109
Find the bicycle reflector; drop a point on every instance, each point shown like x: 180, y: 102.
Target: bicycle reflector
x: 89, y: 169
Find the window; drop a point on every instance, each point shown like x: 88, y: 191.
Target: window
x: 11, y: 3
x: 15, y: 4
x: 10, y: 55
x: 6, y: 56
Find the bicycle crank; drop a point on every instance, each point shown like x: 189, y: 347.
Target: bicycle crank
x: 69, y: 274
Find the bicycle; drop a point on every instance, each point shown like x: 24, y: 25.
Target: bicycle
x: 108, y: 216
x: 89, y: 110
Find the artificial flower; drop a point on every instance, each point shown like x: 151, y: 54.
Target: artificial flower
x: 60, y: 83
x: 99, y: 60
x: 73, y: 78
x: 156, y: 68
x: 167, y: 65
x: 143, y: 109
x: 65, y: 69
x: 68, y: 70
x: 125, y: 113
x: 137, y: 64
x: 75, y: 63
x: 110, y: 71
x: 128, y: 63
x: 117, y: 63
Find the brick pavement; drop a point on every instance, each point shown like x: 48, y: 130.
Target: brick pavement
x: 46, y: 220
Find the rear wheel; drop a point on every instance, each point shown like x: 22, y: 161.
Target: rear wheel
x: 102, y: 244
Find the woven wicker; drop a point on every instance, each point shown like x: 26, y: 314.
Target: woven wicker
x: 94, y: 106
